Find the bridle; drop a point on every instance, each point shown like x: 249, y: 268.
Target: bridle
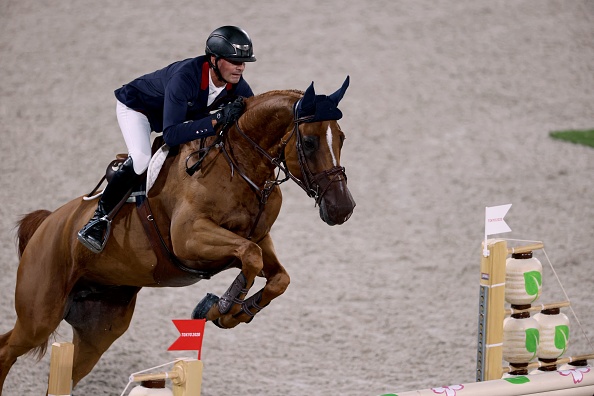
x: 314, y: 185
x: 312, y: 182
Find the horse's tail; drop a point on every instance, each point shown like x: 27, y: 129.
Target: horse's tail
x: 27, y: 227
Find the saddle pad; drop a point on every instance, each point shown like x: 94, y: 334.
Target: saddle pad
x: 155, y: 166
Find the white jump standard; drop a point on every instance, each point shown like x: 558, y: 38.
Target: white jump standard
x: 514, y: 336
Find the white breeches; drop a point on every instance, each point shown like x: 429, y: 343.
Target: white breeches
x: 137, y: 134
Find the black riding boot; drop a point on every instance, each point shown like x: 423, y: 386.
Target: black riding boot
x: 94, y: 235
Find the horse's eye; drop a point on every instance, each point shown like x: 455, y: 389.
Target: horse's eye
x: 309, y: 143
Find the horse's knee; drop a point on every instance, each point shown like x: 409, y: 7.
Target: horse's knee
x: 251, y: 259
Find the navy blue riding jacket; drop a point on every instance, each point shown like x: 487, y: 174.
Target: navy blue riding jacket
x: 174, y: 99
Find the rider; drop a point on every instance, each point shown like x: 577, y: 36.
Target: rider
x: 174, y: 100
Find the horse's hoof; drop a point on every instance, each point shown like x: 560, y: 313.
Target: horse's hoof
x: 217, y: 322
x: 204, y: 306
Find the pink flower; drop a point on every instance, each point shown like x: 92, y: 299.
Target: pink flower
x: 576, y: 373
x: 448, y: 390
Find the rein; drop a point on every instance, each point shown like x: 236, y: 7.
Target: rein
x: 264, y: 192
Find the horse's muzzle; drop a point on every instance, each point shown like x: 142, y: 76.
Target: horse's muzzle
x: 337, y: 205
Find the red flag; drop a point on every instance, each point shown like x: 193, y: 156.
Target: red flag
x: 191, y: 333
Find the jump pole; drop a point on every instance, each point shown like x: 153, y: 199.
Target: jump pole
x: 553, y: 383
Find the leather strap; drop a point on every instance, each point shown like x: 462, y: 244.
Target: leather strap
x: 170, y: 271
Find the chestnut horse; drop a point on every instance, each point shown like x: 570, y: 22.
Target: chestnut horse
x: 211, y: 217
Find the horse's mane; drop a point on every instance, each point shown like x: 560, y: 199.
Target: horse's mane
x: 281, y: 91
x: 291, y: 93
x: 264, y: 103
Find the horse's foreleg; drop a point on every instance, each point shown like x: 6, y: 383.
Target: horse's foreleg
x: 277, y: 281
x: 213, y: 243
x: 222, y: 313
x: 97, y: 320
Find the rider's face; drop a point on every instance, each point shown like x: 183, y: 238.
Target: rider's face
x: 231, y: 70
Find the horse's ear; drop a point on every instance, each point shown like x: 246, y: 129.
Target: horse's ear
x: 337, y: 96
x: 308, y: 102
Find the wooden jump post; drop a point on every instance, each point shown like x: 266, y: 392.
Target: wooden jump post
x: 186, y: 375
x: 60, y: 377
x: 492, y: 308
x: 492, y: 314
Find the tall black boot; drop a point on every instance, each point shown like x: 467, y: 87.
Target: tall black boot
x: 94, y: 235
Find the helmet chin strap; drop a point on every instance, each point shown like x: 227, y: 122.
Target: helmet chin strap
x: 215, y: 67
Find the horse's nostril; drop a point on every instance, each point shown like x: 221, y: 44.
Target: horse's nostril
x: 347, y: 217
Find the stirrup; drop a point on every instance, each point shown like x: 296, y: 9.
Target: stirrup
x: 90, y: 243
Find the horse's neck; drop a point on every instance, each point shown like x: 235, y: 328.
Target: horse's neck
x: 268, y: 119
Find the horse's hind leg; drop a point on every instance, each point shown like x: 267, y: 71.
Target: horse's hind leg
x: 98, y: 318
x: 20, y: 340
x: 39, y: 304
x: 6, y: 361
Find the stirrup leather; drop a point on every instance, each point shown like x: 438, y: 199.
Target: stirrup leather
x: 88, y: 242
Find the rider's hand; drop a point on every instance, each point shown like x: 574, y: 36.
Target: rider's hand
x: 229, y: 113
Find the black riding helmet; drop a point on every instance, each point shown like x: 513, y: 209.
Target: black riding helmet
x: 231, y: 43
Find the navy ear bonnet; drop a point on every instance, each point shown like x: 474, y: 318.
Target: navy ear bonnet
x: 320, y: 107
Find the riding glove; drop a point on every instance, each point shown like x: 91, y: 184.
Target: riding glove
x: 229, y: 113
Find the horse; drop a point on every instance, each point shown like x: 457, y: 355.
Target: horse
x: 212, y: 208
